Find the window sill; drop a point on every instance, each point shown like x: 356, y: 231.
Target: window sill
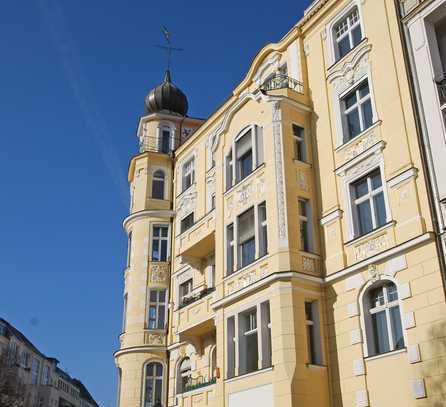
x: 313, y: 366
x: 305, y: 164
x: 383, y: 355
x: 238, y: 271
x: 358, y: 239
x: 243, y: 376
x: 340, y: 60
x: 195, y: 222
x: 183, y: 192
x: 244, y: 179
x: 374, y: 125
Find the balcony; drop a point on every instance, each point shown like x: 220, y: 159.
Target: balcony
x: 158, y: 145
x: 281, y: 81
x: 198, y: 383
x: 199, y: 239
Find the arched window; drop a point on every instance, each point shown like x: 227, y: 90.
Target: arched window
x: 383, y: 319
x: 184, y: 375
x: 158, y: 185
x: 154, y: 385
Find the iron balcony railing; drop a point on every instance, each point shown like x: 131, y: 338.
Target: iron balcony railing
x: 159, y: 144
x: 198, y: 383
x: 195, y: 297
x: 281, y: 81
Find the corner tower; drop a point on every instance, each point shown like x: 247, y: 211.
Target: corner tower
x: 142, y: 357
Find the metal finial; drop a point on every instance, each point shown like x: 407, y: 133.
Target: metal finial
x: 168, y: 48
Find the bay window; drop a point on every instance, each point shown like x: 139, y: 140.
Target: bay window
x: 158, y: 184
x: 160, y: 239
x: 157, y: 309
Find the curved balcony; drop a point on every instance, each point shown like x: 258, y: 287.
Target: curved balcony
x: 281, y: 81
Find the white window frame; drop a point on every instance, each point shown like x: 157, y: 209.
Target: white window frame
x: 308, y: 218
x: 300, y: 143
x: 329, y: 29
x: 152, y: 238
x: 165, y: 126
x: 191, y: 172
x: 256, y: 134
x: 368, y: 343
x: 154, y: 171
x: 180, y: 374
x: 157, y: 305
x: 163, y: 386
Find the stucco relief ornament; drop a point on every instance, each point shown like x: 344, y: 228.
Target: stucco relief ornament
x: 156, y: 339
x: 158, y: 273
x: 373, y: 272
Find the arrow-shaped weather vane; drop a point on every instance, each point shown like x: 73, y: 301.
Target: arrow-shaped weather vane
x: 168, y: 48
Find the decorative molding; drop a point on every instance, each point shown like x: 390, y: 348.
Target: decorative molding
x: 344, y: 75
x: 126, y: 223
x: 355, y: 337
x: 358, y: 367
x: 371, y: 247
x: 272, y: 61
x: 413, y: 353
x: 409, y: 320
x: 362, y: 398
x: 404, y: 176
x: 363, y: 161
x: 159, y: 272
x: 332, y: 216
x: 280, y: 179
x: 358, y: 146
x: 418, y: 388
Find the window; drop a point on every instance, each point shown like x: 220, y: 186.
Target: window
x: 35, y: 367
x: 357, y: 112
x: 383, y: 319
x: 160, y: 239
x: 245, y: 155
x: 46, y: 375
x: 369, y: 208
x: 347, y: 33
x: 185, y: 291
x: 187, y: 222
x: 188, y: 177
x: 157, y: 309
x: 246, y: 238
x: 305, y: 226
x: 248, y: 342
x: 213, y: 358
x: 313, y: 332
x: 154, y: 384
x: 158, y: 185
x: 263, y: 232
x: 165, y: 141
x: 184, y: 375
x: 251, y: 343
x: 300, y: 152
x: 129, y: 250
x: 24, y: 358
x: 124, y: 316
x: 230, y: 249
x: 212, y: 201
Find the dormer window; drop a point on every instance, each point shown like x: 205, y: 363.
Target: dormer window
x: 347, y: 33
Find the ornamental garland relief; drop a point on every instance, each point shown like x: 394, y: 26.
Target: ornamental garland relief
x: 159, y: 272
x: 360, y: 146
x: 245, y: 195
x: 371, y: 247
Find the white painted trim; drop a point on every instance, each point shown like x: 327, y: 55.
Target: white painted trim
x: 126, y: 223
x: 383, y: 355
x: 375, y: 149
x: 244, y: 376
x: 138, y: 349
x: 332, y: 216
x: 404, y: 176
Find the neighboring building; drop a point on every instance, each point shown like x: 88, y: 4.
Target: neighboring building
x: 424, y: 25
x: 282, y: 252
x: 44, y: 383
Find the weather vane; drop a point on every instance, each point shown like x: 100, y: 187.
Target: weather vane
x: 168, y: 48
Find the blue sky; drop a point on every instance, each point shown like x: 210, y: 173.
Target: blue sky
x: 73, y: 78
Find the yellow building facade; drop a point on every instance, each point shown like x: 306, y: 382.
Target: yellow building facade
x: 282, y: 251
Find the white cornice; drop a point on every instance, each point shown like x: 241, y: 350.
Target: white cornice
x: 336, y: 214
x: 146, y: 214
x: 375, y: 149
x: 404, y: 176
x: 139, y: 349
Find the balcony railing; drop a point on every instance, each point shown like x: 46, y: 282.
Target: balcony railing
x: 195, y: 297
x: 198, y: 383
x: 281, y: 81
x: 158, y: 145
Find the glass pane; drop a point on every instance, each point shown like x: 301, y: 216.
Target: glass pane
x: 380, y: 332
x: 156, y: 231
x: 302, y: 207
x: 343, y: 46
x: 392, y: 293
x: 350, y: 99
x: 149, y: 370
x: 162, y: 295
x: 376, y: 179
x: 353, y: 124
x: 149, y: 393
x: 248, y: 252
x: 367, y: 114
x: 364, y: 217
x: 246, y: 225
x: 165, y: 141
x: 356, y: 35
x: 155, y: 250
x: 158, y: 390
x: 159, y: 369
x: 245, y: 165
x: 158, y: 189
x: 304, y: 236
x: 361, y: 188
x: 397, y: 330
x: 252, y: 353
x: 377, y: 297
x: 153, y: 294
x: 380, y: 209
x: 164, y: 231
x: 363, y: 89
x: 161, y: 316
x: 163, y: 255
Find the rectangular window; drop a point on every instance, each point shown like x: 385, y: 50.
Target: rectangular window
x: 347, y: 33
x: 305, y: 226
x: 229, y: 170
x: 369, y: 209
x: 313, y: 332
x: 263, y: 232
x: 160, y: 239
x: 246, y: 238
x: 300, y: 152
x: 266, y: 335
x: 157, y: 309
x: 35, y: 367
x: 46, y: 375
x: 24, y: 360
x: 188, y: 176
x: 230, y: 249
x: 165, y: 141
x: 187, y: 222
x: 129, y: 250
x: 357, y: 112
x: 259, y: 145
x: 231, y: 347
x: 124, y: 316
x: 248, y: 342
x: 185, y: 291
x: 244, y: 161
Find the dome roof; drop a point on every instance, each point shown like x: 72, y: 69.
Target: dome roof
x: 167, y: 97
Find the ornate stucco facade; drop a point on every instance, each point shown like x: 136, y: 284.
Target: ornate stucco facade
x: 283, y: 251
